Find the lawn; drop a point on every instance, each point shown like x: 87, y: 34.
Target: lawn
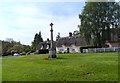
x: 67, y: 67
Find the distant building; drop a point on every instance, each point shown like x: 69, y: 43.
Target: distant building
x: 114, y: 38
x: 45, y: 45
x: 112, y: 44
x: 70, y: 44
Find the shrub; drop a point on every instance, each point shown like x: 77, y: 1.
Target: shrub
x: 23, y: 53
x: 45, y: 51
x: 59, y: 52
x: 28, y: 52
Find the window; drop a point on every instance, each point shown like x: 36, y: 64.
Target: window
x: 61, y: 50
x: 73, y: 50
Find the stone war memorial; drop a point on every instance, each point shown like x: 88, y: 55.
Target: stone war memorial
x: 0, y: 48
x: 52, y: 51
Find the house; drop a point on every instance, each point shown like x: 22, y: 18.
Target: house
x: 43, y: 47
x: 70, y: 44
x: 111, y: 44
x: 115, y: 38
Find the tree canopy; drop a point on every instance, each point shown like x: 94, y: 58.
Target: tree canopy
x: 7, y: 47
x: 98, y: 18
x: 37, y: 39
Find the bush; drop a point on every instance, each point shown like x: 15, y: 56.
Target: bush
x: 6, y: 54
x: 23, y: 53
x: 59, y: 52
x: 45, y: 51
x: 28, y: 52
x: 87, y: 47
x: 66, y: 51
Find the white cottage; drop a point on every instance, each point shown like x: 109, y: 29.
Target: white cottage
x: 70, y: 44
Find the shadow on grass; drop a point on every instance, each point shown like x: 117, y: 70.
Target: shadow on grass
x: 61, y: 58
x: 53, y: 58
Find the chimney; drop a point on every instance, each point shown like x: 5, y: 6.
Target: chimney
x: 70, y: 34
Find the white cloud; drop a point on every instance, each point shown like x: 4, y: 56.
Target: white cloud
x: 24, y: 20
x: 23, y: 1
x: 26, y: 10
x: 31, y: 26
x: 42, y: 1
x: 66, y: 25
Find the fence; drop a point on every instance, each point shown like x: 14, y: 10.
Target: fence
x: 114, y: 49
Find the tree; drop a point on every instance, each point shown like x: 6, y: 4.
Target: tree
x: 9, y: 40
x: 17, y: 48
x: 58, y: 36
x: 5, y: 47
x: 37, y: 39
x: 76, y: 33
x: 96, y: 19
x: 9, y: 48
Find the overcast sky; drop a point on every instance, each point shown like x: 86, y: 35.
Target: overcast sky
x: 21, y: 19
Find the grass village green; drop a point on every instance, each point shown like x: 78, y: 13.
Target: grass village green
x: 66, y: 67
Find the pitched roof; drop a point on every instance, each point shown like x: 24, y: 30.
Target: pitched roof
x: 68, y: 41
